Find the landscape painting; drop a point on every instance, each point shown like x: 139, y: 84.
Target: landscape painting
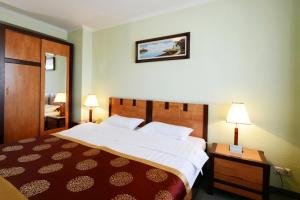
x: 170, y: 47
x: 50, y: 62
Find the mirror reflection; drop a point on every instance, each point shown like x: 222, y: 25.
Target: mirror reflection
x: 55, y: 91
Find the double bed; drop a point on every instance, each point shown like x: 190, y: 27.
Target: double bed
x: 103, y: 161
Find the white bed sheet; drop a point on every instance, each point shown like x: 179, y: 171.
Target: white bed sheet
x: 187, y: 156
x: 52, y: 113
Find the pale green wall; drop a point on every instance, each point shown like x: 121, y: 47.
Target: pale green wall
x: 31, y: 23
x: 297, y: 56
x: 75, y: 37
x: 82, y: 71
x: 55, y: 81
x: 87, y: 65
x: 241, y: 50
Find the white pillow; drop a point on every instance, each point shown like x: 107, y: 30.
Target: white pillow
x: 169, y: 130
x: 124, y: 122
x: 51, y: 108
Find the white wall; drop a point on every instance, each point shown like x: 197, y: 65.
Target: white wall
x: 241, y: 50
x: 18, y: 19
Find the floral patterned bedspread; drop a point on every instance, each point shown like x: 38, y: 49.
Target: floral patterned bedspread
x: 52, y: 167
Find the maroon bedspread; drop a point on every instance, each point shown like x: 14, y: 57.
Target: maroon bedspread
x: 54, y: 168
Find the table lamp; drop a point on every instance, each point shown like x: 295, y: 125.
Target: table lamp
x: 61, y: 98
x: 237, y: 114
x: 91, y: 101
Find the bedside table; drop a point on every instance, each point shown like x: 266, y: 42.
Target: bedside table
x: 78, y: 122
x: 246, y: 175
x: 52, y: 122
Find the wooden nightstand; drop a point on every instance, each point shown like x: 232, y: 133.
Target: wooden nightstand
x: 79, y: 122
x: 52, y: 122
x: 246, y: 175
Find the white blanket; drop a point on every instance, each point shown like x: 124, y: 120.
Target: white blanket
x: 187, y: 156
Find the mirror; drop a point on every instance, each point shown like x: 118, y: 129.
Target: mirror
x: 55, y: 91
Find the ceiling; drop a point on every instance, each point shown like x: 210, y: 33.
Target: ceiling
x: 94, y: 14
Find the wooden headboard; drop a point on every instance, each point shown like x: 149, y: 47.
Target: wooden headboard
x: 194, y: 116
x: 49, y: 98
x: 128, y: 108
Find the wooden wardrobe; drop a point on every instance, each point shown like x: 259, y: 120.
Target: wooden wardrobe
x: 22, y: 68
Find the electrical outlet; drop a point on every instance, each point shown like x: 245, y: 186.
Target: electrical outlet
x: 289, y: 171
x: 282, y: 171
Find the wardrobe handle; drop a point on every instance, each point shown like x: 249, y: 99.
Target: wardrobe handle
x: 6, y: 91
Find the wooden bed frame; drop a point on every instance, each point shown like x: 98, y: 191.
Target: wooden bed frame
x: 194, y: 116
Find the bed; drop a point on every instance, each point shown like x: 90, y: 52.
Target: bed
x: 101, y: 161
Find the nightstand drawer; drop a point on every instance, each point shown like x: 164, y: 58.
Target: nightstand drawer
x: 248, y: 194
x: 239, y: 173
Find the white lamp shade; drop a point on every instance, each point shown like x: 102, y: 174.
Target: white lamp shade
x: 60, y: 98
x: 91, y: 101
x: 238, y: 114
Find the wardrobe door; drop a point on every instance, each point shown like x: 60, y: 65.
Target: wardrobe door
x: 22, y: 102
x: 55, y: 86
x: 22, y: 47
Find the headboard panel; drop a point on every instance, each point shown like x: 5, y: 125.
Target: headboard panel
x: 194, y: 116
x: 189, y: 115
x: 128, y: 108
x: 49, y: 99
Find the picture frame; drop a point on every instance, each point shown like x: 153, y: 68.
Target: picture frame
x: 171, y: 47
x: 50, y: 62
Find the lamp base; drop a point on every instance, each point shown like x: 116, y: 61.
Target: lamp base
x: 91, y: 115
x: 236, y: 136
x: 236, y: 149
x: 62, y: 110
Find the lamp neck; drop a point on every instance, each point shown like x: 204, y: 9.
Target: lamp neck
x: 90, y: 115
x: 236, y: 136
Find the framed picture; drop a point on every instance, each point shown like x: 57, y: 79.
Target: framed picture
x: 170, y: 47
x: 50, y: 62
